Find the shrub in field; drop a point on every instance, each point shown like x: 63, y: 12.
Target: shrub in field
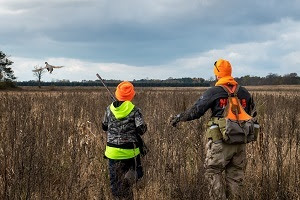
x: 7, y: 85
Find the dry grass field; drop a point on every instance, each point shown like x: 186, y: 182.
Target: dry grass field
x: 51, y: 145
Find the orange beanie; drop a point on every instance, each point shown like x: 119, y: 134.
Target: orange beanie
x: 125, y: 91
x: 222, y: 68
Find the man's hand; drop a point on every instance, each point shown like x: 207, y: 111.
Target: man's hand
x: 174, y: 120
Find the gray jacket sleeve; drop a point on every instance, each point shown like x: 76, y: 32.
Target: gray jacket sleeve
x: 139, y: 122
x: 200, y: 107
x: 105, y: 121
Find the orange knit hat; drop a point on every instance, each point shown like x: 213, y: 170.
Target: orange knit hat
x: 222, y: 68
x: 125, y: 91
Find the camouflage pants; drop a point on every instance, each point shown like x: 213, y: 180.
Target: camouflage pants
x: 224, y: 169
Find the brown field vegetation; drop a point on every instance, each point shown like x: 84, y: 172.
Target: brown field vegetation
x: 51, y: 145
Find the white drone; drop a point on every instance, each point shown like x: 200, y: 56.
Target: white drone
x: 48, y: 67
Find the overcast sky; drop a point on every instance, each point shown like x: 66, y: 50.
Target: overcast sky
x: 155, y: 39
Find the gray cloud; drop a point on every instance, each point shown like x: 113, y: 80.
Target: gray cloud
x: 158, y: 33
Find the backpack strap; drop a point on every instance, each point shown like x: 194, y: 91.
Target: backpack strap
x: 231, y: 91
x: 236, y: 90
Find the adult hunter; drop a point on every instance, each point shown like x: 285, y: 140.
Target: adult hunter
x: 226, y: 137
x: 124, y: 124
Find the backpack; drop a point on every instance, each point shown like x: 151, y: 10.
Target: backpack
x: 236, y: 126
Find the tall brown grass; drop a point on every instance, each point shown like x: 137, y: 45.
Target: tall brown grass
x: 51, y: 146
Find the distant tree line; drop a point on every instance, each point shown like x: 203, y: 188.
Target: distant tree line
x: 271, y: 79
x: 171, y: 82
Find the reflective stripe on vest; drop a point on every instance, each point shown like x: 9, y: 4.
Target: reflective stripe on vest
x: 121, y: 154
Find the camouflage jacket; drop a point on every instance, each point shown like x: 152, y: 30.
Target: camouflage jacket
x: 123, y: 132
